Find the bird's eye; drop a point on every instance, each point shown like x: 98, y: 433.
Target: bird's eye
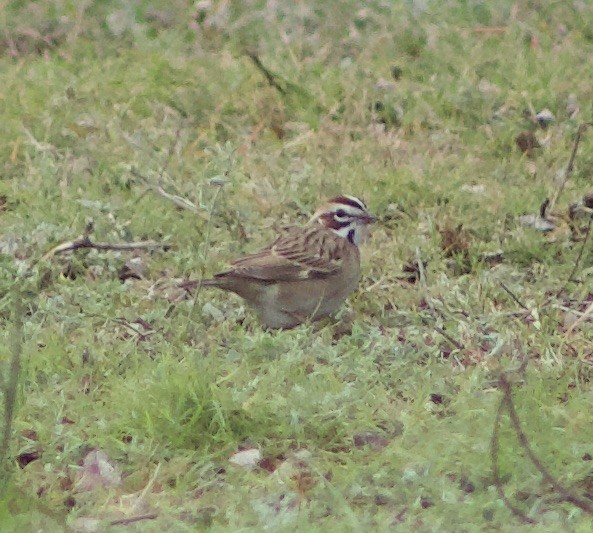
x: 340, y: 213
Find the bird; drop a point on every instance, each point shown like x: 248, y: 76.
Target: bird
x: 307, y: 272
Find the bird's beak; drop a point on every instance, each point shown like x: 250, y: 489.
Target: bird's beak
x: 368, y: 218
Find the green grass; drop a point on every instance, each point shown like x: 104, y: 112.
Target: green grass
x: 380, y: 419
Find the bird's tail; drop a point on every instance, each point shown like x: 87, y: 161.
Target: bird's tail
x: 190, y: 285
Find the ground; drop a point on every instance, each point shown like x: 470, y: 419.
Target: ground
x: 205, y: 128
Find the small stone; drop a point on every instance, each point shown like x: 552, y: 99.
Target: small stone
x: 211, y: 311
x: 248, y: 459
x: 537, y: 222
x: 545, y: 117
x: 572, y: 105
x: 134, y: 268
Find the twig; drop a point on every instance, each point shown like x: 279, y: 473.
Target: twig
x: 453, y: 342
x: 133, y: 519
x: 578, y: 259
x: 85, y: 242
x: 570, y: 165
x: 205, y: 256
x: 494, y: 447
x: 505, y: 386
x: 489, y: 29
x: 513, y: 297
x: 579, y: 320
x: 267, y: 73
x: 142, y: 335
x: 179, y: 201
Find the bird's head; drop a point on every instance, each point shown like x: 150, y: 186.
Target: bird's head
x: 345, y: 215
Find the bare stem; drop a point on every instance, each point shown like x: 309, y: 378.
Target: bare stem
x: 570, y: 165
x: 10, y: 388
x: 494, y: 448
x: 204, y: 257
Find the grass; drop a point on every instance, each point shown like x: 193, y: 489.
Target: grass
x: 382, y: 418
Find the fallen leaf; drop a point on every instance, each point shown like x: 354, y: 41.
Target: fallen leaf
x: 527, y: 142
x: 97, y: 471
x: 370, y: 438
x: 25, y: 458
x: 454, y: 240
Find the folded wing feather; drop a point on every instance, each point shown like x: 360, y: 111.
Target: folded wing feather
x: 293, y: 256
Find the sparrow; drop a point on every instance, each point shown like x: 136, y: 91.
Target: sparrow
x: 307, y: 272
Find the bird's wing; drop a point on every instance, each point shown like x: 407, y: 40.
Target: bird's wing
x: 296, y: 255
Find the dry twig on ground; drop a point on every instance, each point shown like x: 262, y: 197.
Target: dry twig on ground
x: 84, y: 241
x: 506, y: 401
x: 179, y: 201
x: 133, y: 519
x: 570, y: 165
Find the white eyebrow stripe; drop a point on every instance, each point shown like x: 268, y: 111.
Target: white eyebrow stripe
x: 357, y: 201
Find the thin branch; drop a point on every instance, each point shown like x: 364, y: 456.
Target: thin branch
x: 505, y: 386
x: 494, y: 447
x: 205, y: 256
x: 584, y: 316
x: 448, y: 337
x: 512, y: 295
x: 570, y: 165
x: 141, y: 335
x: 179, y: 201
x: 133, y: 519
x: 267, y: 73
x: 578, y: 259
x: 85, y: 242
